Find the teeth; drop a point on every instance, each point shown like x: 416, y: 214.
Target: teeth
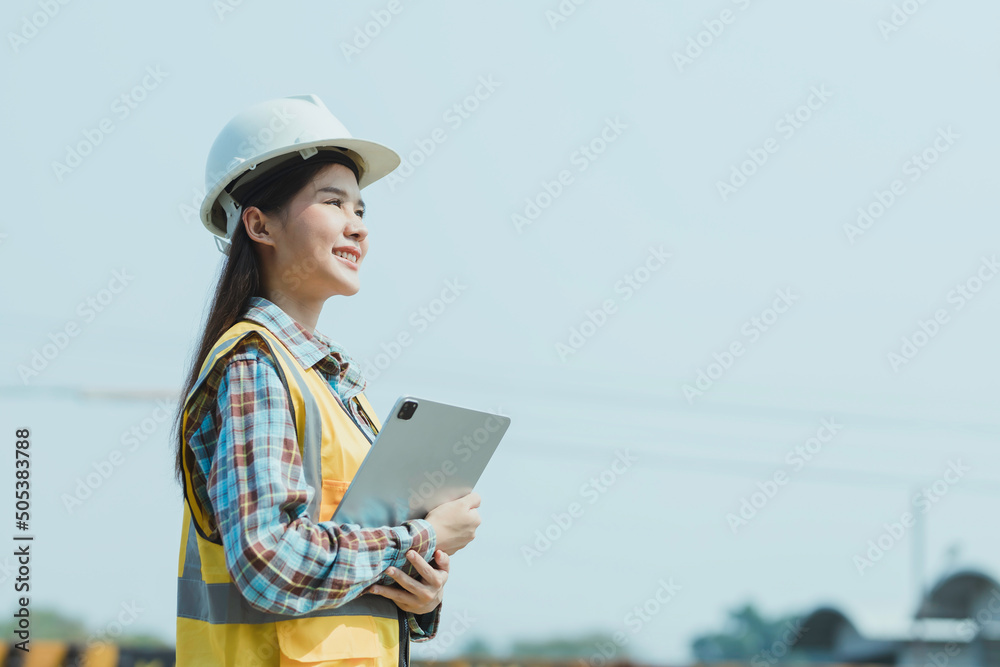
x: 345, y: 255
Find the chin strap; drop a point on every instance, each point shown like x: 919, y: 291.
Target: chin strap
x: 233, y: 211
x: 222, y: 245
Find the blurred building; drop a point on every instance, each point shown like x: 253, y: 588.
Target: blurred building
x: 957, y: 624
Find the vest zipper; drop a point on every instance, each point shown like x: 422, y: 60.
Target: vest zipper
x: 365, y: 414
x: 355, y: 421
x: 404, y: 632
x: 404, y: 639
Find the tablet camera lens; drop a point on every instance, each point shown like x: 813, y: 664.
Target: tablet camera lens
x: 407, y: 409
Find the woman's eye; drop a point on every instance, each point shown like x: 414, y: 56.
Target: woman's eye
x: 338, y: 202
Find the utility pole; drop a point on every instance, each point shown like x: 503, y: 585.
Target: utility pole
x: 918, y: 648
x: 919, y: 552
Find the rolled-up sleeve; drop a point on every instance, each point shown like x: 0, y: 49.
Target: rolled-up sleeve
x: 424, y: 626
x: 280, y: 559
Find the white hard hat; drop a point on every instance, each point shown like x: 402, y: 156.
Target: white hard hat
x: 254, y: 141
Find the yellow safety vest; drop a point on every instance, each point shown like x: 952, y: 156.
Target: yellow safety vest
x: 215, y: 625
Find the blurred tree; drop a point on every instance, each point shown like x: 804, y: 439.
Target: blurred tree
x: 49, y: 624
x: 143, y: 641
x: 52, y: 624
x: 477, y: 647
x: 584, y: 647
x: 745, y: 634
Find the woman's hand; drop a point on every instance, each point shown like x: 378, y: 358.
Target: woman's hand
x: 455, y: 522
x: 417, y: 596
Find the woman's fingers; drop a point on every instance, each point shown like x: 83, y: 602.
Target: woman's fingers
x: 413, y: 595
x: 425, y: 569
x: 443, y: 560
x: 404, y: 598
x: 411, y: 590
x: 422, y: 567
x: 395, y: 594
x: 419, y: 589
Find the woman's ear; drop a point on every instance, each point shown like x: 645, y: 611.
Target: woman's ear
x: 259, y: 227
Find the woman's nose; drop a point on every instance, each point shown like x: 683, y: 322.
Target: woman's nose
x: 356, y: 226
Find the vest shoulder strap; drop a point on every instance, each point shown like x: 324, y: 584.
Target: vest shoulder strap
x: 285, y: 365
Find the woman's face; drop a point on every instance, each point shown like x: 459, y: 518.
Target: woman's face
x: 322, y: 221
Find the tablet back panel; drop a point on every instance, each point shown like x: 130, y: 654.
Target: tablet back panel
x: 415, y: 464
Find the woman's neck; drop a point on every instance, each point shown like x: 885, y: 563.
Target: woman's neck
x: 305, y: 313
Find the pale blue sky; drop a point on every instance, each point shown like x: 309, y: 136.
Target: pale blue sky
x: 675, y: 132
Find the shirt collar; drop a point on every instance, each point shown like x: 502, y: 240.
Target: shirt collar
x: 308, y: 347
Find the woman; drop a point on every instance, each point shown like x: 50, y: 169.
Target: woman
x: 275, y: 423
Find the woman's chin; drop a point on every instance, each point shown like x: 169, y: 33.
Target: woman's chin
x: 349, y: 288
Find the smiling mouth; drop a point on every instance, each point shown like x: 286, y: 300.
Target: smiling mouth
x: 349, y: 256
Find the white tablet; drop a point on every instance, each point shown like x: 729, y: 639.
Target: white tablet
x: 425, y: 454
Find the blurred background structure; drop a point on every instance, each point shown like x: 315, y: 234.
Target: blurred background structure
x: 957, y: 623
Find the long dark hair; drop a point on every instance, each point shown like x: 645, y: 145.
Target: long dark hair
x: 240, y: 277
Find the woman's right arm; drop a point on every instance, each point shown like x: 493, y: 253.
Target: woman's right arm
x: 278, y: 557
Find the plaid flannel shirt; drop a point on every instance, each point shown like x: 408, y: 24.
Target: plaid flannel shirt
x: 247, y: 474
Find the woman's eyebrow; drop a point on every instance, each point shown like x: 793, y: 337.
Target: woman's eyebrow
x: 342, y: 193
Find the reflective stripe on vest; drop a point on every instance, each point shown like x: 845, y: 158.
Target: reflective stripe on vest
x: 215, y: 623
